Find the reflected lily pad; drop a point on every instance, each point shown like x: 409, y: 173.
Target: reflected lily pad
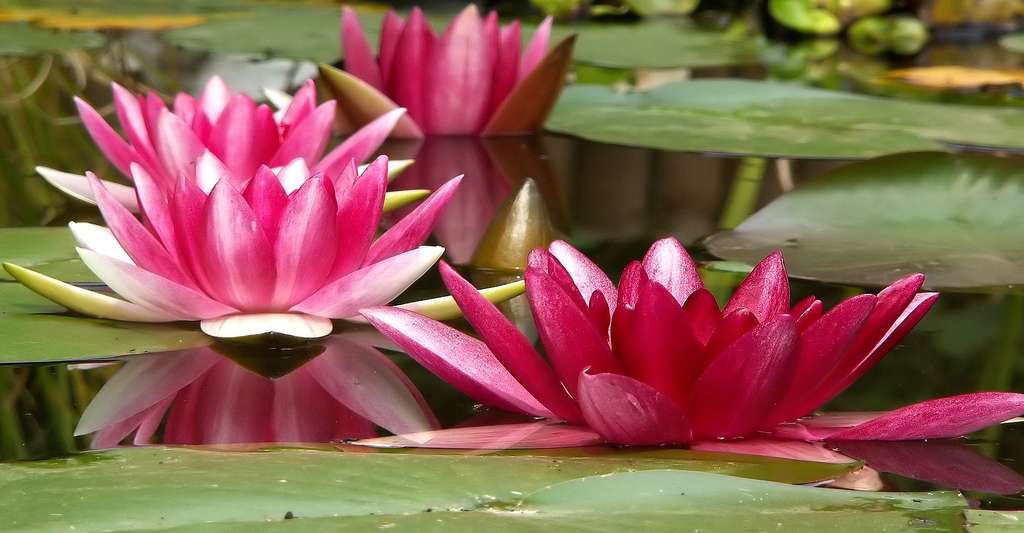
x: 190, y: 488
x: 34, y: 330
x: 50, y: 251
x: 777, y: 119
x: 23, y: 39
x: 956, y: 218
x: 658, y: 44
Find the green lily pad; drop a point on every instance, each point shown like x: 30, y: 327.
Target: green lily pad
x: 955, y: 218
x: 164, y: 488
x: 1013, y: 42
x: 668, y: 43
x: 34, y: 330
x: 979, y: 521
x: 23, y: 39
x: 50, y: 251
x: 777, y: 119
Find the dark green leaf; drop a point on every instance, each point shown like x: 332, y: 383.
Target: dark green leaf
x: 23, y: 39
x: 50, y: 251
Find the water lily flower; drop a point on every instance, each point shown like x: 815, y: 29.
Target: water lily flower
x: 656, y: 361
x: 202, y: 397
x: 282, y: 252
x: 166, y: 142
x: 471, y: 80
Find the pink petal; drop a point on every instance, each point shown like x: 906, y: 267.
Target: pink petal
x: 153, y: 203
x: 77, y: 186
x: 765, y: 291
x: 407, y: 75
x: 460, y: 71
x: 359, y: 58
x: 308, y: 139
x: 531, y: 435
x: 189, y: 207
x: 306, y: 246
x: 507, y: 68
x: 98, y: 239
x: 238, y: 257
x: 414, y: 228
x: 150, y: 422
x: 511, y: 347
x: 390, y: 32
x: 625, y: 411
x: 462, y: 361
x: 151, y: 290
x: 184, y: 107
x: 941, y: 418
x: 810, y: 315
x: 572, y: 341
x: 702, y: 312
x: 741, y: 386
x: 543, y: 261
x: 234, y: 403
x: 373, y: 285
x: 586, y: 275
x: 133, y: 122
x: 215, y: 97
x: 655, y: 344
x: 360, y: 145
x: 732, y: 326
x: 144, y: 249
x: 537, y: 49
x: 210, y: 170
x: 301, y: 106
x: 268, y: 200
x: 822, y: 346
x: 949, y: 464
x: 629, y: 284
x: 113, y: 146
x: 177, y: 146
x: 668, y: 263
x: 359, y: 212
x: 769, y: 447
x: 369, y: 383
x: 243, y: 119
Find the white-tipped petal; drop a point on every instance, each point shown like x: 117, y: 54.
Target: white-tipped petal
x: 77, y: 187
x: 445, y: 308
x: 395, y: 167
x: 84, y: 301
x: 293, y: 175
x: 292, y: 324
x: 279, y: 99
x: 210, y: 170
x: 98, y: 239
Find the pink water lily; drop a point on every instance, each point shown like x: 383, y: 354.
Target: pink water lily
x: 282, y: 252
x: 201, y: 397
x: 237, y: 134
x: 472, y: 79
x: 656, y: 361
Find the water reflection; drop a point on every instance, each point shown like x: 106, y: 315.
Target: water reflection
x: 341, y: 389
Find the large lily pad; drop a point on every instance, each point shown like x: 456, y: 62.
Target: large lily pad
x: 50, y: 251
x: 34, y: 330
x: 667, y: 43
x: 956, y: 218
x: 777, y: 119
x: 22, y: 39
x: 168, y: 488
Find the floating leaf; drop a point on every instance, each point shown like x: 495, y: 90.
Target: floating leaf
x: 956, y: 218
x: 1013, y: 42
x: 50, y: 251
x: 658, y: 44
x: 23, y: 39
x: 776, y: 119
x: 189, y: 488
x: 980, y: 521
x: 34, y: 330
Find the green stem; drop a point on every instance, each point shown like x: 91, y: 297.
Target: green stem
x: 997, y: 373
x: 743, y: 194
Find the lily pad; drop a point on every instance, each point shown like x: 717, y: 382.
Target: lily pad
x: 23, y: 39
x: 1013, y: 42
x: 979, y: 521
x: 219, y: 490
x: 955, y: 218
x: 777, y: 119
x: 672, y: 43
x: 50, y: 251
x: 34, y: 330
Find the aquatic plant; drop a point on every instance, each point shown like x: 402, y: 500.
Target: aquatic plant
x: 283, y: 252
x: 167, y: 142
x: 655, y: 361
x: 473, y: 79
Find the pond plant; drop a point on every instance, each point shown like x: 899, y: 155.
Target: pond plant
x: 490, y: 87
x: 654, y: 361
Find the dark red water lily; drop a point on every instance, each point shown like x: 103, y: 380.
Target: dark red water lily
x: 656, y: 361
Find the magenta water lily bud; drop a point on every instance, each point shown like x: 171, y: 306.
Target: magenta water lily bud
x: 656, y: 361
x: 282, y: 251
x: 475, y: 78
x: 237, y: 135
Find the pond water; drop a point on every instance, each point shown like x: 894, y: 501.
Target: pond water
x: 611, y: 201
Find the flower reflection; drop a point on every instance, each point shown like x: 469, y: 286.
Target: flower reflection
x: 342, y: 389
